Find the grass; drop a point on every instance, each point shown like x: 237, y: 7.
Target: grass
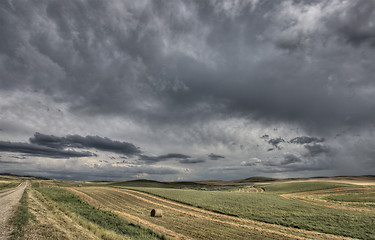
x: 294, y: 187
x: 21, y: 218
x: 272, y: 208
x: 360, y: 198
x: 104, y: 219
x: 8, y: 185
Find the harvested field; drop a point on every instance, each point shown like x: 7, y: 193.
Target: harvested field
x: 52, y: 223
x: 186, y: 222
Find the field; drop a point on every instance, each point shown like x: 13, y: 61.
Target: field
x: 272, y: 209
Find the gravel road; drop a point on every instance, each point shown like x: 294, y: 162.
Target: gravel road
x: 9, y: 199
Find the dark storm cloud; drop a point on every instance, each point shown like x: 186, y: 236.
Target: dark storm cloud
x: 191, y: 161
x: 316, y: 149
x: 276, y: 141
x: 169, y: 61
x: 154, y: 159
x: 306, y: 139
x: 76, y: 141
x: 41, y: 151
x: 356, y: 27
x: 213, y: 156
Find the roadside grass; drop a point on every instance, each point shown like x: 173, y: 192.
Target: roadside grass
x: 94, y: 216
x: 294, y: 187
x: 272, y: 208
x: 20, y: 218
x: 8, y: 185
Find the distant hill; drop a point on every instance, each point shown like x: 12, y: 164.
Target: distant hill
x: 257, y: 179
x: 4, y: 175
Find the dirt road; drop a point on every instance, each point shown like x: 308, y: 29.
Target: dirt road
x: 9, y: 199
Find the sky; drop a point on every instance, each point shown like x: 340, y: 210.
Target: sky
x: 187, y: 89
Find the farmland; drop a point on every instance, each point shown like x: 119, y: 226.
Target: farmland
x: 272, y: 209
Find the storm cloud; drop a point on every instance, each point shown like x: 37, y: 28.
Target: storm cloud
x: 213, y: 156
x: 153, y: 159
x: 306, y: 139
x: 289, y: 159
x: 316, y: 149
x: 191, y: 161
x: 76, y: 141
x: 276, y: 141
x: 42, y: 151
x: 154, y: 79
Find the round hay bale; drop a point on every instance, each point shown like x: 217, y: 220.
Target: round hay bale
x: 156, y: 213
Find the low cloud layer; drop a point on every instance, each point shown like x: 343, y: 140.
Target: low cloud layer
x: 154, y: 159
x: 42, y: 151
x: 76, y: 141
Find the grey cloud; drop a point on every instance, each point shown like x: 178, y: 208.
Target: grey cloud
x: 225, y: 169
x: 354, y: 24
x: 177, y: 68
x: 306, y: 139
x: 76, y: 141
x: 316, y: 149
x: 82, y: 172
x: 348, y: 22
x: 289, y: 159
x: 276, y: 141
x: 213, y: 156
x: 191, y: 161
x: 248, y: 163
x: 153, y: 159
x: 42, y: 151
x: 168, y: 62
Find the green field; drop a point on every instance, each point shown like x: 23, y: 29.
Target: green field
x: 359, y: 197
x: 294, y: 187
x: 270, y: 207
